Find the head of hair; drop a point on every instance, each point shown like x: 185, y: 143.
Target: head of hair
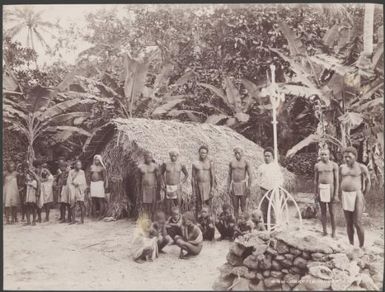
x: 37, y: 163
x: 189, y: 216
x: 174, y: 209
x: 226, y: 207
x: 238, y: 149
x: 269, y: 149
x: 204, y: 147
x: 351, y: 150
x: 160, y: 215
x: 246, y: 215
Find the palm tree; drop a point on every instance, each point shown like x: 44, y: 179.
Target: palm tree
x: 25, y: 18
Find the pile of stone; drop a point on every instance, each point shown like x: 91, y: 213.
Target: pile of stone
x: 294, y: 261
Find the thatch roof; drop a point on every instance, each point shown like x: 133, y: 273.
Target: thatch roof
x: 124, y: 141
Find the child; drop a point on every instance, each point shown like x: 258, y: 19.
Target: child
x: 144, y: 245
x: 158, y: 229
x: 31, y: 198
x: 76, y: 183
x: 11, y: 193
x: 226, y: 223
x: 46, y: 197
x: 174, y: 223
x: 190, y: 242
x: 257, y: 219
x: 244, y: 225
x: 206, y: 224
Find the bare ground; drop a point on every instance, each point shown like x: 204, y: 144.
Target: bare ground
x: 96, y: 256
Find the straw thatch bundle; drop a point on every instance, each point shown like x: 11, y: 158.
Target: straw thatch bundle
x: 123, y: 143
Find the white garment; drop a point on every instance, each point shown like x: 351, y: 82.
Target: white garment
x: 349, y: 201
x: 324, y: 193
x: 270, y: 175
x: 97, y: 189
x: 172, y: 191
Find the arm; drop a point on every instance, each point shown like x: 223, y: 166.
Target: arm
x: 340, y: 179
x: 366, y: 178
x: 212, y: 177
x: 158, y: 179
x: 185, y: 172
x: 250, y: 175
x: 193, y: 177
x: 105, y: 177
x: 163, y: 175
x: 316, y: 190
x: 229, y: 178
x: 336, y: 182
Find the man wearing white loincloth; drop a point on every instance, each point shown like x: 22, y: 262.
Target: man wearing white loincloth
x: 355, y: 185
x: 171, y: 180
x: 238, y: 185
x: 326, y: 188
x: 99, y: 182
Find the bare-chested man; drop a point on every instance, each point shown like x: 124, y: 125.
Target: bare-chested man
x: 203, y: 180
x: 171, y: 177
x: 326, y: 188
x: 99, y: 183
x: 238, y: 184
x: 355, y: 184
x: 149, y: 184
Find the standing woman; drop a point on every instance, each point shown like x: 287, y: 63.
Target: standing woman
x: 62, y: 189
x: 98, y: 185
x: 11, y: 193
x: 77, y: 185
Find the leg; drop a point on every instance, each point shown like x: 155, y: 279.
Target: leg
x: 34, y: 210
x: 7, y: 211
x: 357, y: 219
x: 323, y: 217
x: 332, y: 219
x: 191, y: 249
x: 94, y: 206
x: 198, y: 205
x: 38, y: 214
x: 210, y: 233
x: 73, y: 213
x: 62, y: 213
x: 349, y: 226
x: 82, y: 212
x: 28, y: 213
x: 264, y: 207
x: 47, y: 208
x: 15, y: 213
x: 243, y: 204
x: 68, y: 208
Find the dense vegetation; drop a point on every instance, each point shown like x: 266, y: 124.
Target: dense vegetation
x: 208, y: 65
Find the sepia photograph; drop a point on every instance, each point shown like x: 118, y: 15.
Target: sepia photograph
x: 212, y: 147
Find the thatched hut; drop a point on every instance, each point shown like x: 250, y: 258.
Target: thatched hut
x: 123, y: 142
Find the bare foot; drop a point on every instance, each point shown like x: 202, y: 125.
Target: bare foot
x: 26, y: 224
x: 139, y: 261
x: 33, y: 224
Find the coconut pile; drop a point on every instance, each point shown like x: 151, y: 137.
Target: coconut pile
x: 297, y: 261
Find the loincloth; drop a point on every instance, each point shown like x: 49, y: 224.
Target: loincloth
x: 172, y: 192
x: 97, y: 189
x: 349, y: 201
x: 239, y: 188
x: 149, y: 194
x: 324, y: 193
x: 204, y: 190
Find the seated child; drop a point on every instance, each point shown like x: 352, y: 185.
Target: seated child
x: 190, y: 242
x: 257, y: 219
x: 174, y: 223
x: 225, y: 223
x: 158, y: 229
x: 206, y: 224
x: 244, y: 225
x: 144, y: 245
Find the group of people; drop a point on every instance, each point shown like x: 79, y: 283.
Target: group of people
x: 33, y: 189
x: 349, y: 183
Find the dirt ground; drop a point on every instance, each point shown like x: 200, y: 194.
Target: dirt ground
x: 96, y: 256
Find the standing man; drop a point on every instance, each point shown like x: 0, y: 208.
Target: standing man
x: 171, y: 178
x: 203, y: 180
x: 270, y: 177
x: 99, y: 182
x: 149, y: 183
x: 326, y: 188
x: 62, y: 190
x: 77, y: 185
x: 355, y: 185
x: 238, y: 185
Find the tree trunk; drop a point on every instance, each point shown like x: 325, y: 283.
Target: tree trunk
x: 30, y: 154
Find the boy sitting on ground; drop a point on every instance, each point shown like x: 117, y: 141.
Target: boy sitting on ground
x: 206, y: 224
x: 158, y: 229
x: 257, y: 219
x: 190, y: 242
x: 144, y: 245
x: 225, y: 223
x: 174, y: 223
x: 244, y: 225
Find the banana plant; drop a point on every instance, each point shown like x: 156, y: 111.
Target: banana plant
x: 36, y: 116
